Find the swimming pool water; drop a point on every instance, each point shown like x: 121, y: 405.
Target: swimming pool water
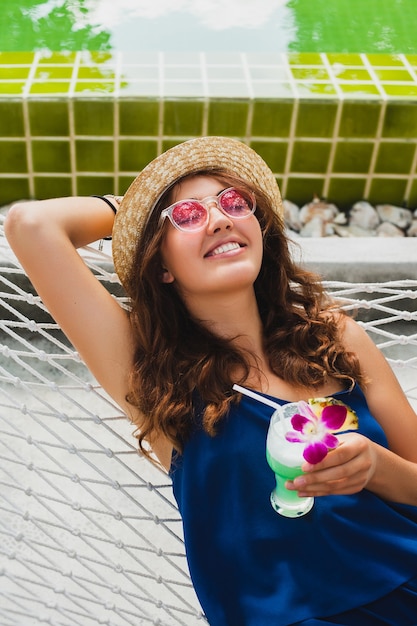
x: 370, y: 26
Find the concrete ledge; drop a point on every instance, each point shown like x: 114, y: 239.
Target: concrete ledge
x: 358, y: 259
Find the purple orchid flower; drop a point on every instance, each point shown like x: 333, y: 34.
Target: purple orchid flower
x: 316, y: 432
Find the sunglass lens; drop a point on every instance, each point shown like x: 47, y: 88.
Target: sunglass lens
x: 236, y: 203
x: 189, y: 215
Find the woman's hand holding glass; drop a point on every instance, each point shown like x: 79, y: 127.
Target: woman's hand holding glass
x: 345, y: 470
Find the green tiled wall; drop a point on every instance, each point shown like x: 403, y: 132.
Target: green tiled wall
x: 341, y: 126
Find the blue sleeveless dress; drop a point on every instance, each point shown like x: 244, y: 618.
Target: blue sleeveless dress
x: 252, y: 567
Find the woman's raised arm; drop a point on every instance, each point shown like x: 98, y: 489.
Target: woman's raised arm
x: 44, y: 236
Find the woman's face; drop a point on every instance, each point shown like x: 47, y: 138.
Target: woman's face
x: 223, y: 258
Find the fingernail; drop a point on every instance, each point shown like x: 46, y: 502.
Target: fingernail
x: 299, y: 482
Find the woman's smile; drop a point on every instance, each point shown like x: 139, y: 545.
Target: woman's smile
x: 225, y: 248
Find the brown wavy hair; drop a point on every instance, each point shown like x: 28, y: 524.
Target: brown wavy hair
x: 178, y: 359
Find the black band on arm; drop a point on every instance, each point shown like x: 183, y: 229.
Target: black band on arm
x: 107, y: 201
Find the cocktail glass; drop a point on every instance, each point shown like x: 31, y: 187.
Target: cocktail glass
x: 285, y: 459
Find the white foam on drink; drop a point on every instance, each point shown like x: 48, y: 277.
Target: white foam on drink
x: 286, y: 452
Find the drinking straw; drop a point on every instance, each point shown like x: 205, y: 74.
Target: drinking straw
x: 257, y: 396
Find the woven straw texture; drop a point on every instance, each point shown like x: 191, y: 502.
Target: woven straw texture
x: 186, y: 158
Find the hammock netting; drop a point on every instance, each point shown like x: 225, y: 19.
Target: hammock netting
x: 89, y: 530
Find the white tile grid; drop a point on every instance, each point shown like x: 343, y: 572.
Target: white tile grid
x: 201, y: 86
x: 227, y: 86
x: 330, y: 163
x: 206, y: 108
x: 380, y: 83
x: 161, y: 111
x: 203, y: 65
x: 210, y: 85
x: 73, y: 82
x: 272, y: 86
x: 116, y: 144
x: 413, y: 174
x: 248, y: 80
x: 70, y: 90
x: 376, y: 81
x: 291, y: 136
x: 336, y: 127
x: 335, y: 83
x: 369, y: 176
x: 84, y: 59
x: 73, y: 161
x: 161, y: 67
x: 333, y: 71
x: 374, y: 76
x: 284, y: 176
x: 14, y: 81
x: 376, y: 146
x: 118, y: 74
x: 249, y: 118
x: 28, y: 145
x: 288, y: 172
x: 204, y: 77
x: 332, y: 80
x: 409, y: 67
x: 30, y: 78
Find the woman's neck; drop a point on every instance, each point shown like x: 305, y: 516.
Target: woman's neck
x: 232, y: 316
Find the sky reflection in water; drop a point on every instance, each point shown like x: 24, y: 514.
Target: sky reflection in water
x: 210, y: 25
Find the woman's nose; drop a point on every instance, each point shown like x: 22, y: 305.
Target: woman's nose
x: 218, y: 220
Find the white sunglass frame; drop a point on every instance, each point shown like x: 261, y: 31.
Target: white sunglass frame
x: 205, y: 202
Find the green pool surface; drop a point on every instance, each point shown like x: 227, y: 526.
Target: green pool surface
x: 348, y: 26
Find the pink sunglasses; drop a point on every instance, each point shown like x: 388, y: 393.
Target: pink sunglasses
x: 192, y: 215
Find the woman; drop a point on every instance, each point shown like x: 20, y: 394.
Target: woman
x: 199, y: 245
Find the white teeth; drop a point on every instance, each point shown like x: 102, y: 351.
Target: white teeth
x: 225, y: 248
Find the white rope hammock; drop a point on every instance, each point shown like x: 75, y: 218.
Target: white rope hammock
x: 89, y: 530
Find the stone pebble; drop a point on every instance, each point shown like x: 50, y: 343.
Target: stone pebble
x: 324, y: 219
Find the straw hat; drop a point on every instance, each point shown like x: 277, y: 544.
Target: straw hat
x: 186, y: 158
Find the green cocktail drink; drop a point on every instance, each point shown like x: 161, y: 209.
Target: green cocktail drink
x: 285, y: 459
